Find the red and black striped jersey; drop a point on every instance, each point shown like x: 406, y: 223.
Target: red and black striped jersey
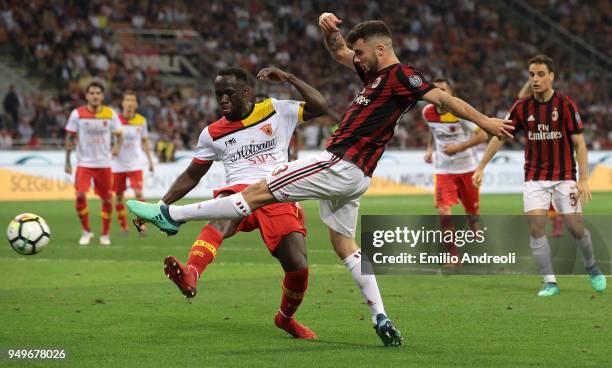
x: 548, y: 126
x: 369, y: 123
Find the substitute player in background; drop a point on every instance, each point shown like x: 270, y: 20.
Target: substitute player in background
x: 341, y: 174
x: 553, y: 129
x: 556, y: 220
x: 250, y: 140
x: 454, y: 161
x: 128, y: 163
x: 90, y: 127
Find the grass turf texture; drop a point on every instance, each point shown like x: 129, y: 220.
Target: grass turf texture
x: 113, y: 306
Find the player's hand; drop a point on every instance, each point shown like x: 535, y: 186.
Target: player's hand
x: 584, y: 192
x: 428, y: 157
x: 273, y: 74
x: 477, y: 177
x: 115, y: 150
x: 68, y: 168
x: 500, y: 128
x: 151, y: 167
x: 328, y: 23
x: 451, y: 149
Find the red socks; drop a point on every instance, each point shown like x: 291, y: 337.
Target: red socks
x: 447, y: 224
x: 107, y: 209
x: 204, y: 249
x: 83, y: 212
x: 121, y: 215
x: 294, y: 286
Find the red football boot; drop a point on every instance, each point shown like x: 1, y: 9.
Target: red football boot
x: 293, y: 328
x: 183, y: 278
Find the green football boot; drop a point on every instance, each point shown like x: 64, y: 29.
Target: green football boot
x: 157, y: 214
x: 598, y: 280
x: 550, y: 289
x: 386, y: 330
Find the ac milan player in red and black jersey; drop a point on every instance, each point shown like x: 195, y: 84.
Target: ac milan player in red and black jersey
x: 340, y: 175
x: 553, y: 131
x: 556, y: 220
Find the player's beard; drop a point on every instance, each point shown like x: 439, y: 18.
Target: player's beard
x: 372, y: 65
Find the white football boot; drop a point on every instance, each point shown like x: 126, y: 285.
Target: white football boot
x: 105, y: 240
x: 86, y: 237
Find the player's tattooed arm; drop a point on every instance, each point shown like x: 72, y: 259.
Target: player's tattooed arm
x: 334, y: 42
x: 69, y: 144
x: 186, y: 182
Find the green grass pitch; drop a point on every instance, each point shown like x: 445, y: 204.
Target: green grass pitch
x: 114, y: 307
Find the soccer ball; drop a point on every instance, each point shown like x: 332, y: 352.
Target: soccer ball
x: 28, y: 233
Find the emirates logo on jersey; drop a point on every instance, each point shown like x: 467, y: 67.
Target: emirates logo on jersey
x: 267, y: 129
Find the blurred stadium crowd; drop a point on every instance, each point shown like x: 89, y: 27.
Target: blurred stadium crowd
x: 480, y: 50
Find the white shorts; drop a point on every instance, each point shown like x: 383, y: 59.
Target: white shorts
x: 337, y: 183
x: 562, y: 194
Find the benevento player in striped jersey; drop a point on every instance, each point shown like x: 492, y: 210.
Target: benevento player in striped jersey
x: 90, y: 128
x: 341, y: 174
x: 553, y: 130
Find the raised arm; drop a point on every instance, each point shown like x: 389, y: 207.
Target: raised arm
x: 186, y: 181
x: 334, y: 42
x: 315, y: 104
x: 494, y: 126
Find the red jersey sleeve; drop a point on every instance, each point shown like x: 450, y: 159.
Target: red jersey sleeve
x: 572, y: 119
x: 411, y: 83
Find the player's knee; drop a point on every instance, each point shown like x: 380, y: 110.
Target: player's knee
x: 445, y: 210
x: 224, y: 227
x: 537, y: 226
x: 81, y: 195
x: 258, y: 195
x: 119, y: 197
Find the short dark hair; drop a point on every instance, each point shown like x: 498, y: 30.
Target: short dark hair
x: 441, y: 80
x: 94, y: 84
x: 367, y: 30
x: 130, y: 92
x: 239, y: 73
x: 542, y: 59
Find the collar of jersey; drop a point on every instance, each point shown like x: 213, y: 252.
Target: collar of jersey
x: 258, y: 113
